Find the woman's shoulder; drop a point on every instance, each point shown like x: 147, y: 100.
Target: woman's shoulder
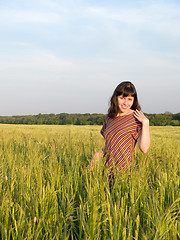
x: 132, y: 118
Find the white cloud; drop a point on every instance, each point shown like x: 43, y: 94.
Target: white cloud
x: 24, y: 16
x: 155, y: 17
x: 30, y: 61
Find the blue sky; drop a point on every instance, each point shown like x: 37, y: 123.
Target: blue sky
x: 68, y: 56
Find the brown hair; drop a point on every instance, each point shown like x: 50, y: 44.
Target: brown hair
x: 125, y: 88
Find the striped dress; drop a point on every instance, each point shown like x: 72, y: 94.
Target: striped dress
x: 120, y: 134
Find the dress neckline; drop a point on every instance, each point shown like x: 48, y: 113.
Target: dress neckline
x: 124, y: 115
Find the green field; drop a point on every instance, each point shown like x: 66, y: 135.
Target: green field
x: 47, y: 190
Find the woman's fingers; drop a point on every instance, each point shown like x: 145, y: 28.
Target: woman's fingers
x: 140, y: 116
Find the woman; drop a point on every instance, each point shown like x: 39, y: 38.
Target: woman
x: 124, y: 125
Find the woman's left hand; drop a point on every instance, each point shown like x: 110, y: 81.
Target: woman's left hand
x: 141, y: 117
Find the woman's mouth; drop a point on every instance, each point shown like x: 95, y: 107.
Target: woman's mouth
x: 124, y: 107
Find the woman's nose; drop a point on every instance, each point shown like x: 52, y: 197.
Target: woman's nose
x: 125, y: 100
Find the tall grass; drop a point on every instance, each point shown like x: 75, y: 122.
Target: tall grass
x: 47, y: 190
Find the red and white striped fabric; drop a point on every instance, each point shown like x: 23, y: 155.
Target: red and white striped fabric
x: 120, y: 134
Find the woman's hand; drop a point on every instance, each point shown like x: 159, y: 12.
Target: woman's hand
x: 141, y: 117
x: 97, y: 156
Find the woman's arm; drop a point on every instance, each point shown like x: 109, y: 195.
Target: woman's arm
x: 144, y: 137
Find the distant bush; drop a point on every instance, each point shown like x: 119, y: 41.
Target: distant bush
x: 84, y: 119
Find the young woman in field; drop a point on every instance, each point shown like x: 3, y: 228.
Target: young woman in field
x: 124, y: 126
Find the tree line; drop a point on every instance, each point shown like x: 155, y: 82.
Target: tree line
x: 84, y: 119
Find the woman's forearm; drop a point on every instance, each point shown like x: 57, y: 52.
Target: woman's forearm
x: 144, y: 138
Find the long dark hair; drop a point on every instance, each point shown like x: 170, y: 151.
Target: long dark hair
x: 125, y: 88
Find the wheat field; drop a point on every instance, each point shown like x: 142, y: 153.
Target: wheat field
x: 47, y: 190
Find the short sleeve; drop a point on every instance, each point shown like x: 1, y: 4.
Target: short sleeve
x: 137, y: 130
x: 104, y: 126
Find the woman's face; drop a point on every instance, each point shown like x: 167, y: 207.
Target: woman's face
x: 125, y: 103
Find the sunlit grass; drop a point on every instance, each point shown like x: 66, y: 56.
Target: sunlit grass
x: 48, y: 191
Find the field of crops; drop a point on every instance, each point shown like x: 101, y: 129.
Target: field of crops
x: 47, y: 190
